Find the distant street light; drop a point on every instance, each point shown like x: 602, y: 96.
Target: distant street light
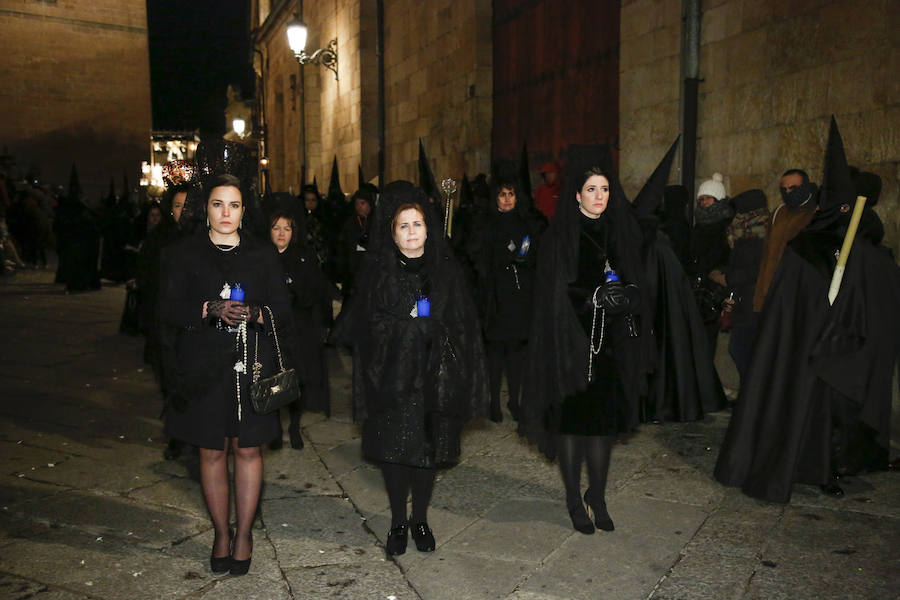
x: 238, y: 126
x: 327, y: 57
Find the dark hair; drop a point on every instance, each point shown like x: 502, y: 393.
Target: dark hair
x: 799, y: 172
x: 224, y: 180
x: 583, y: 177
x: 282, y: 214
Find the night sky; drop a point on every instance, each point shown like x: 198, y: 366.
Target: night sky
x: 197, y: 47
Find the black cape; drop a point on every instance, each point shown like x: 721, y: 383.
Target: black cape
x: 813, y: 366
x: 415, y: 380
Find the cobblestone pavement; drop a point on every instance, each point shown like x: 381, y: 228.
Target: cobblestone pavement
x: 89, y: 508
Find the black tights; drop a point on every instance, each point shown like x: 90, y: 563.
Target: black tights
x: 573, y: 450
x: 399, y: 481
x: 508, y: 357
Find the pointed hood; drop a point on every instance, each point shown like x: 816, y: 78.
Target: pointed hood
x: 650, y: 197
x: 426, y: 176
x: 360, y: 178
x: 111, y: 196
x: 335, y: 193
x: 525, y: 172
x: 126, y: 191
x: 837, y: 193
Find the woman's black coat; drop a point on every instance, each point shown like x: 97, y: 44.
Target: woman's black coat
x: 309, y: 292
x: 505, y: 274
x: 201, y: 382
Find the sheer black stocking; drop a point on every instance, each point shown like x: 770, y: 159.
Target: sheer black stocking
x: 571, y: 456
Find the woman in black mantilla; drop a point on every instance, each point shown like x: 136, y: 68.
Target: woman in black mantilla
x: 580, y: 389
x: 209, y: 395
x: 417, y: 377
x: 309, y: 292
x: 504, y: 251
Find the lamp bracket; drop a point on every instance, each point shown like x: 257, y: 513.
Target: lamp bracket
x: 327, y: 57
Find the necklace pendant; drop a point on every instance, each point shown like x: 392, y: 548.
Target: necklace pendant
x: 239, y: 366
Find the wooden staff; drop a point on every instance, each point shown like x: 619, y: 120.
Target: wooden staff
x: 845, y: 249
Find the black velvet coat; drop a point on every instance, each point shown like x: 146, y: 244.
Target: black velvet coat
x: 203, y: 376
x: 505, y: 275
x: 818, y: 387
x: 309, y: 292
x: 416, y: 380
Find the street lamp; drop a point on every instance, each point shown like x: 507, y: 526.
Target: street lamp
x: 327, y: 57
x: 238, y: 126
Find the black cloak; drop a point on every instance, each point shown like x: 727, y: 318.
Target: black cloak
x: 682, y: 383
x: 558, y: 349
x: 415, y: 380
x: 817, y: 399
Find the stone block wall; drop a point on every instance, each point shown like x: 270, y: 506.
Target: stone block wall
x: 438, y: 84
x: 76, y: 87
x: 773, y: 73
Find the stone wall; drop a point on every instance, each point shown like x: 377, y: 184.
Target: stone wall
x: 773, y: 73
x: 76, y: 87
x: 438, y: 82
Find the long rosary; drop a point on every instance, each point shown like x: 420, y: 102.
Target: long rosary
x: 240, y: 366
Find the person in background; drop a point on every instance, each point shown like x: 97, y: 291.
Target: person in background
x: 709, y: 253
x: 546, y: 197
x: 307, y: 287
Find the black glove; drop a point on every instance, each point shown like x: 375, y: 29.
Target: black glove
x: 253, y: 313
x: 230, y: 311
x: 612, y: 298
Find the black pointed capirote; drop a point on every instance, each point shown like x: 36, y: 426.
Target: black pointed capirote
x: 650, y: 197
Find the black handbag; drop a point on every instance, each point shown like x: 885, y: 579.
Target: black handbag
x: 268, y: 394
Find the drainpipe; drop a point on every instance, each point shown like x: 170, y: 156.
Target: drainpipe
x: 690, y: 73
x: 379, y: 42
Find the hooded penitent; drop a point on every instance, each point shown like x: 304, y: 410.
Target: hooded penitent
x: 817, y: 397
x: 415, y: 379
x: 682, y: 384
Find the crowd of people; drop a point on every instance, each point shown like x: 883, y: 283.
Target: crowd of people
x: 600, y: 313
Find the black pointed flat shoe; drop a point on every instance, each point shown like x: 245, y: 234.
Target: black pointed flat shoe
x: 397, y: 540
x: 423, y: 537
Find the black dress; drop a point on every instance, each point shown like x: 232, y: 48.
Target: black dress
x: 601, y: 407
x: 309, y: 292
x: 203, y: 378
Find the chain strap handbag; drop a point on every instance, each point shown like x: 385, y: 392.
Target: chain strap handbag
x: 271, y: 393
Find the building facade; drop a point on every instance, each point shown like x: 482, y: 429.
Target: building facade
x: 76, y: 89
x: 475, y: 79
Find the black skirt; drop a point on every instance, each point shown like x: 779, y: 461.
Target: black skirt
x: 599, y: 409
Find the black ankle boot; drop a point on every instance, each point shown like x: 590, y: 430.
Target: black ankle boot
x: 597, y: 510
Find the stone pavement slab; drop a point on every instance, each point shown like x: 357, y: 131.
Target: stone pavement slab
x: 90, y: 510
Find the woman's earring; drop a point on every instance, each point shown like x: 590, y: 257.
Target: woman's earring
x: 207, y: 222
x: 240, y: 223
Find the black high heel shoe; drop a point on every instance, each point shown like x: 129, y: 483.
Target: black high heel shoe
x: 397, y: 540
x: 423, y: 537
x: 240, y: 567
x: 597, y: 511
x: 221, y: 564
x: 580, y: 519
